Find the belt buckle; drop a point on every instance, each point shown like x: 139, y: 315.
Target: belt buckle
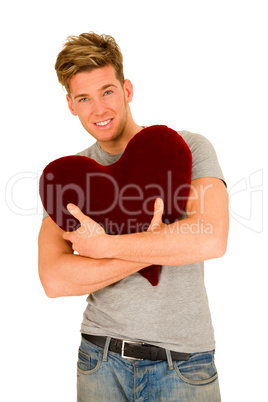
x: 123, y: 350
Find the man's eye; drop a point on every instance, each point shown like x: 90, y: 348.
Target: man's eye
x: 108, y: 92
x: 83, y: 99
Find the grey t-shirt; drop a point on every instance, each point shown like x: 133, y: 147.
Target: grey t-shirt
x: 174, y: 314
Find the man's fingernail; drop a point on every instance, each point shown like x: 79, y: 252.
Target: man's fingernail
x: 70, y: 206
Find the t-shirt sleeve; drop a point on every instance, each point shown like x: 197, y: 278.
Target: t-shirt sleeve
x: 45, y: 214
x: 204, y: 158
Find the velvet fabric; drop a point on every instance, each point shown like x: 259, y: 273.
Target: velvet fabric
x: 156, y: 163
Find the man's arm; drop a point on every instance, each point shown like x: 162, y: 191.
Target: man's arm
x: 63, y: 273
x: 202, y: 236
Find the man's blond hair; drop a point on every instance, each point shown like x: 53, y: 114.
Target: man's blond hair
x: 86, y: 52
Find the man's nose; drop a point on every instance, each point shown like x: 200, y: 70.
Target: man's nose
x: 98, y: 108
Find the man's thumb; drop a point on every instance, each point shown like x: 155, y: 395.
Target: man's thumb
x: 158, y: 212
x: 76, y: 212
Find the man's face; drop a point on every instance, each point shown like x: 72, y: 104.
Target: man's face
x: 101, y: 103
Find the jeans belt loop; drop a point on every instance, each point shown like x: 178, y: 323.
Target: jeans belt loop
x: 106, y: 348
x: 169, y: 359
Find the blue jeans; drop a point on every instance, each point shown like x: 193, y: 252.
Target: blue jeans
x: 106, y: 376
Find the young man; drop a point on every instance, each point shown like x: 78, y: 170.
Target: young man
x: 138, y: 341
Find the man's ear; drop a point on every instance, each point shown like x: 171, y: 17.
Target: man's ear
x: 128, y: 87
x: 70, y: 105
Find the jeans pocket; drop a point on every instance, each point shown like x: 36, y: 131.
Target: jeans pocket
x: 88, y: 363
x: 200, y: 369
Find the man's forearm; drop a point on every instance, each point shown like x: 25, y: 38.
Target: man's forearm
x: 73, y: 275
x: 63, y: 273
x: 201, y: 236
x: 185, y: 242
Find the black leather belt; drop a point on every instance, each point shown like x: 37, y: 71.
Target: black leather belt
x: 135, y: 350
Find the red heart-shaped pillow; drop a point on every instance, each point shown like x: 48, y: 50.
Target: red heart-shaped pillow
x: 156, y: 163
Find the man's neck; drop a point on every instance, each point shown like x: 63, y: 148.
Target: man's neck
x: 119, y: 145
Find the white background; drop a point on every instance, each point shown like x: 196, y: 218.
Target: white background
x: 195, y: 65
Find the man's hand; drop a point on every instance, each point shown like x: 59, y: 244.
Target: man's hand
x: 89, y: 239
x: 156, y: 224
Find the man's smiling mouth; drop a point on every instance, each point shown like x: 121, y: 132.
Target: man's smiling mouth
x: 103, y: 123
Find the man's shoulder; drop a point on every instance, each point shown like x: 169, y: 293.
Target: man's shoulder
x: 196, y: 142
x: 204, y: 158
x: 191, y: 138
